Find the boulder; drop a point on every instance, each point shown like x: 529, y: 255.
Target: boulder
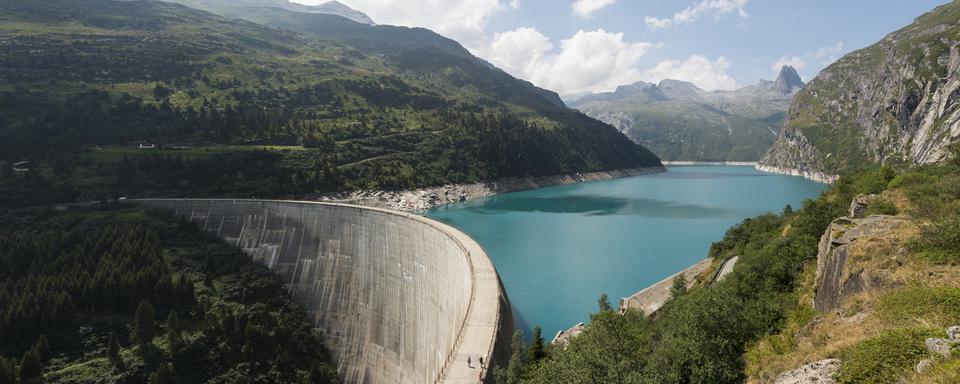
x: 859, y: 206
x: 953, y: 333
x: 820, y: 372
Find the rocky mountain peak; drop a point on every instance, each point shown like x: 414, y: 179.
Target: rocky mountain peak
x: 788, y: 81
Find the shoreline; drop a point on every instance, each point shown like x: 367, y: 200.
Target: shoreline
x: 426, y: 198
x: 697, y: 162
x: 818, y: 177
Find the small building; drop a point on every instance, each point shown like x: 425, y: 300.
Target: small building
x: 23, y: 166
x: 143, y: 147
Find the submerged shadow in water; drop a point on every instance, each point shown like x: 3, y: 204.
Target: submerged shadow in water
x: 600, y: 206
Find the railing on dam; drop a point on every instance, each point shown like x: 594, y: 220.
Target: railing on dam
x: 397, y: 297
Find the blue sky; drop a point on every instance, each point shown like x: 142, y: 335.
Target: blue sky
x: 717, y: 44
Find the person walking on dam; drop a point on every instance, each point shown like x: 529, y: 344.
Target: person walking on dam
x: 481, y: 362
x: 469, y: 363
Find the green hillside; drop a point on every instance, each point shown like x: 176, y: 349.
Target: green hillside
x: 355, y: 107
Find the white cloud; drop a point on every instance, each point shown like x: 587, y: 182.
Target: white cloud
x: 716, y: 8
x: 794, y: 61
x: 697, y: 69
x: 585, y: 8
x: 463, y: 20
x: 828, y: 54
x: 589, y: 61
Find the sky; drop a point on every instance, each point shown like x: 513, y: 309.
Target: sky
x: 576, y: 47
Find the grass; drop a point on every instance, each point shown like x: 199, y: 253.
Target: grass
x: 920, y: 304
x: 885, y: 358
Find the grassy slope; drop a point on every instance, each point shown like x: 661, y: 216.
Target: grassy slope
x: 391, y: 107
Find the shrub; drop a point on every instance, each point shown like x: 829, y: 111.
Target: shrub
x: 940, y: 304
x: 881, y: 206
x: 883, y: 359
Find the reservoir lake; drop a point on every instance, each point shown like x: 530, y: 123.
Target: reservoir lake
x: 558, y: 249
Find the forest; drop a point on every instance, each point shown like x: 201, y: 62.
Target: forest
x: 116, y: 294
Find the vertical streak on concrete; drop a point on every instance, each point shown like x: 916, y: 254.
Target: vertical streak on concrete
x: 398, y: 298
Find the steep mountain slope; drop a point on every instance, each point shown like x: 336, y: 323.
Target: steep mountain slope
x: 329, y: 8
x: 892, y: 102
x: 361, y: 106
x: 679, y: 121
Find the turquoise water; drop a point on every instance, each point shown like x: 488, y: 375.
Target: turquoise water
x: 558, y: 249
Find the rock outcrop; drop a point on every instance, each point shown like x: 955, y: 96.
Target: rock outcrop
x: 940, y: 348
x: 820, y: 372
x: 895, y: 101
x: 837, y: 278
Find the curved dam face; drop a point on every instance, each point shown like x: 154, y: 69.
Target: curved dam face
x: 397, y: 297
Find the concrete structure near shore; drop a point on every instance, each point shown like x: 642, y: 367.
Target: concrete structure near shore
x: 397, y: 297
x: 652, y: 298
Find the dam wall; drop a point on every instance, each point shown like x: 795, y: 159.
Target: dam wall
x: 398, y: 298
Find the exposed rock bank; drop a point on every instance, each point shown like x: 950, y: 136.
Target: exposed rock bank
x: 426, y: 198
x: 811, y: 175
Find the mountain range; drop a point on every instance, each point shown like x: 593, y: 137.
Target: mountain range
x: 679, y: 121
x: 329, y: 8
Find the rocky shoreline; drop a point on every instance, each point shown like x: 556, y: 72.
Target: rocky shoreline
x: 696, y: 162
x: 425, y: 198
x: 813, y: 176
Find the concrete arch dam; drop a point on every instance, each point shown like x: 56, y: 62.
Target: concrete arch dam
x: 397, y: 297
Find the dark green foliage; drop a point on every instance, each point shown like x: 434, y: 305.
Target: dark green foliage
x: 42, y: 348
x: 118, y: 263
x: 8, y: 373
x: 537, y: 348
x: 679, y: 287
x: 162, y: 375
x: 31, y: 368
x: 881, y: 206
x: 424, y: 112
x: 603, y: 303
x: 174, y: 337
x: 885, y: 358
x: 145, y: 327
x: 113, y: 351
x: 514, y: 371
x: 321, y: 373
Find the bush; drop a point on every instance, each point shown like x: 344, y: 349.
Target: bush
x: 938, y: 305
x: 883, y: 359
x: 881, y: 206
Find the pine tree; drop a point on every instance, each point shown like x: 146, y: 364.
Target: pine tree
x: 42, y: 347
x: 162, y: 375
x: 321, y: 374
x: 31, y: 368
x: 679, y: 287
x: 8, y: 374
x: 113, y: 351
x: 174, y: 339
x: 537, y: 349
x: 144, y: 325
x: 604, y: 303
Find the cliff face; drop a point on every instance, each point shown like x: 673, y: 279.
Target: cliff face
x: 892, y: 102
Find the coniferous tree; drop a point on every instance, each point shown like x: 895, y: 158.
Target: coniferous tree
x: 174, y: 339
x: 537, y: 349
x: 7, y: 373
x: 513, y: 373
x: 113, y: 351
x: 31, y: 368
x: 604, y: 303
x: 679, y: 287
x: 163, y: 375
x: 321, y: 374
x: 42, y: 347
x: 144, y: 325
